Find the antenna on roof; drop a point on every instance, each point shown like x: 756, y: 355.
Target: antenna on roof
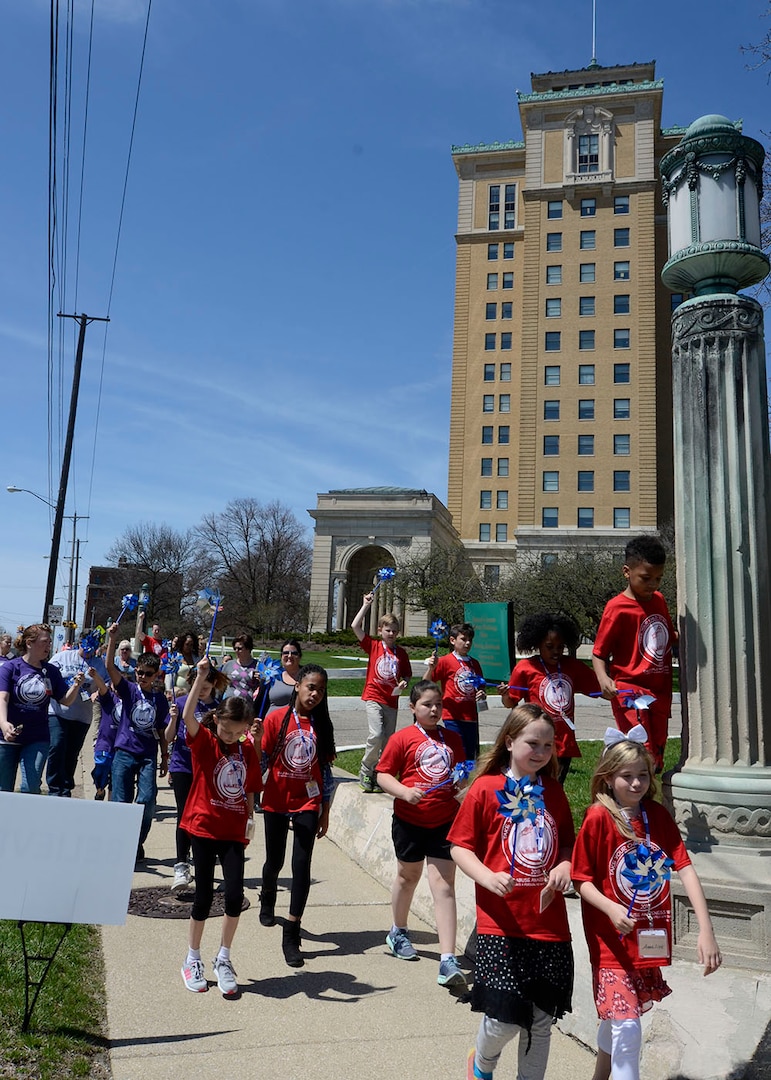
x: 594, y: 35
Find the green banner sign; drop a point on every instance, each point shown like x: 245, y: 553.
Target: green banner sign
x: 493, y: 638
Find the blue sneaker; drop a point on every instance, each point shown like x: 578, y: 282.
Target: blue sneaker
x: 450, y: 973
x: 400, y: 945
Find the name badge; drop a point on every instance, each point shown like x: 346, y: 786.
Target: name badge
x: 652, y: 944
x: 313, y: 789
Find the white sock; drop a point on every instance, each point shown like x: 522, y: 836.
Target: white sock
x: 223, y: 954
x: 446, y: 956
x: 193, y: 954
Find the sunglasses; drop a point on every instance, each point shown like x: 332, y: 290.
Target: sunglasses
x: 144, y: 673
x: 290, y: 654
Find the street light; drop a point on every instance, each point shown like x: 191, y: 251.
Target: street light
x: 54, y: 556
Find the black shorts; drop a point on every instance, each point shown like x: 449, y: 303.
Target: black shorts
x: 414, y: 843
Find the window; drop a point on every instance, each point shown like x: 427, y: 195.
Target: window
x: 587, y: 240
x: 550, y: 517
x: 553, y: 307
x: 586, y: 445
x: 489, y: 342
x: 489, y: 375
x: 501, y: 500
x: 621, y: 304
x: 501, y: 533
x: 494, y: 208
x: 551, y: 445
x: 622, y: 480
x: 506, y: 309
x: 505, y: 375
x: 492, y: 282
x: 506, y: 341
x: 491, y: 311
x: 588, y: 153
x: 586, y: 374
x: 621, y: 204
x: 676, y: 300
x: 509, y: 205
x: 621, y: 271
x: 621, y: 408
x: 585, y: 517
x: 622, y: 445
x: 504, y: 403
x: 488, y: 402
x: 487, y: 466
x: 487, y: 433
x: 620, y: 339
x: 503, y: 433
x: 508, y: 279
x: 552, y: 341
x: 484, y: 534
x: 551, y: 480
x: 553, y: 275
x: 508, y: 250
x: 586, y: 272
x: 503, y: 466
x: 492, y: 574
x: 586, y: 480
x: 551, y: 375
x: 621, y: 517
x: 492, y: 252
x: 551, y: 410
x: 485, y: 500
x: 554, y: 241
x: 586, y: 339
x: 621, y: 238
x: 586, y: 409
x: 554, y: 208
x: 588, y: 207
x: 586, y: 305
x: 621, y: 373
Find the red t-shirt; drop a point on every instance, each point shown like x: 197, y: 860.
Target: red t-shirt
x: 423, y: 759
x: 385, y: 669
x: 295, y: 781
x: 482, y: 829
x: 152, y: 645
x: 554, y: 691
x: 636, y: 637
x: 216, y: 807
x: 458, y: 692
x: 599, y: 857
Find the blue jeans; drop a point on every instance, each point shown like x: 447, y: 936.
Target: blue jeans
x: 135, y: 775
x: 67, y: 738
x: 31, y: 757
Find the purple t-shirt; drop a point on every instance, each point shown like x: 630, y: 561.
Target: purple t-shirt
x: 108, y: 725
x: 180, y: 759
x: 30, y: 689
x: 143, y: 719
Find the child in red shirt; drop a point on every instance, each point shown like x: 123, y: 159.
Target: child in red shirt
x: 621, y: 868
x: 218, y: 818
x: 417, y: 769
x: 552, y: 679
x: 459, y: 674
x: 513, y: 836
x: 632, y: 653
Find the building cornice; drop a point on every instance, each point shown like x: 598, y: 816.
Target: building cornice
x: 488, y: 148
x: 614, y: 90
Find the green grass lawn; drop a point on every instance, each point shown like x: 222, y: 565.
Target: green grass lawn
x: 578, y: 781
x: 68, y: 1031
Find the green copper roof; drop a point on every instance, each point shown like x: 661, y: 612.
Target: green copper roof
x: 379, y: 491
x: 486, y: 148
x: 676, y: 129
x: 592, y: 91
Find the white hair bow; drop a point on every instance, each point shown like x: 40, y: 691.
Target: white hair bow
x: 637, y: 734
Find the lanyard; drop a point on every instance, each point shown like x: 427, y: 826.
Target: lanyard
x: 538, y: 824
x: 441, y: 749
x: 391, y: 661
x: 308, y: 748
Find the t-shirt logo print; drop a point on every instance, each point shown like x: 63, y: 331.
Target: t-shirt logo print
x: 556, y: 695
x: 32, y: 689
x: 465, y: 681
x: 653, y: 639
x: 299, y: 751
x: 653, y: 894
x: 534, y: 848
x: 432, y: 762
x: 230, y: 777
x: 143, y: 716
x: 386, y: 669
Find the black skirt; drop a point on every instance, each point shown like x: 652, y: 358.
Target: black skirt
x: 512, y: 975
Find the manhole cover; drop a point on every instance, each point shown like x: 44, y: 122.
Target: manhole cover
x: 159, y: 902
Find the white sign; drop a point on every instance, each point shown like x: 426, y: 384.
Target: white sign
x: 66, y: 860
x: 55, y: 613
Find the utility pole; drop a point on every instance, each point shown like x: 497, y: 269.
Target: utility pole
x: 83, y: 321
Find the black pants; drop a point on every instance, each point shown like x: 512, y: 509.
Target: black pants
x: 181, y: 782
x: 232, y: 855
x: 304, y: 827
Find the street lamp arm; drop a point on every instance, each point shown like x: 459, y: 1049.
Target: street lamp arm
x: 13, y: 491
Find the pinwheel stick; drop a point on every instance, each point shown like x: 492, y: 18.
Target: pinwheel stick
x: 213, y: 624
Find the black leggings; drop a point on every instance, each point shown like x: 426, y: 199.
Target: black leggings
x: 305, y: 826
x: 181, y: 782
x: 232, y: 855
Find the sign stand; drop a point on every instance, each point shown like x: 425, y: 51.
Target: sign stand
x: 46, y: 958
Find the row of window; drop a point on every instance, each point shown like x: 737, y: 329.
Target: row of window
x: 586, y: 338
x: 587, y: 273
x: 509, y: 207
x: 552, y: 374
x: 551, y: 409
x: 586, y: 306
x: 622, y: 445
x: 622, y: 517
x: 588, y: 207
x: 504, y: 373
x: 494, y: 250
x: 502, y: 468
x: 507, y: 281
x: 622, y: 480
x: 587, y: 240
x: 504, y: 403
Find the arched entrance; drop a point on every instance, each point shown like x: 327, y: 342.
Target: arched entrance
x: 362, y: 571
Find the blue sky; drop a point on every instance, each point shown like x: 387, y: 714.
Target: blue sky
x: 281, y: 321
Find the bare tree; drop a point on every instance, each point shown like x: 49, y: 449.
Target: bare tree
x: 439, y: 583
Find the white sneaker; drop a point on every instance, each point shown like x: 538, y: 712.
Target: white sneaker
x: 226, y: 976
x: 182, y: 877
x: 193, y: 977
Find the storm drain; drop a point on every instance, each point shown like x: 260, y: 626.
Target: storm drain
x: 159, y: 902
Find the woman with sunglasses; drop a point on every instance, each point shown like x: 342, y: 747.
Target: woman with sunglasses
x: 280, y: 693
x: 242, y: 671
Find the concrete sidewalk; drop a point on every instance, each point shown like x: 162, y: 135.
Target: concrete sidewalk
x: 352, y: 1011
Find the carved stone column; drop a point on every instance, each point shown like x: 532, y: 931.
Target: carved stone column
x: 722, y: 794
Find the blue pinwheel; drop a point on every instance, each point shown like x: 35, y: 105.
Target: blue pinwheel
x: 520, y: 801
x: 644, y: 870
x: 210, y: 603
x: 385, y: 573
x: 171, y: 663
x: 129, y: 603
x: 438, y: 631
x: 89, y: 643
x: 268, y: 671
x: 459, y: 773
